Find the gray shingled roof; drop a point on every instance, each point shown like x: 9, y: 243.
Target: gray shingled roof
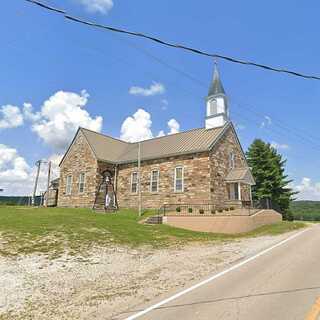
x: 216, y: 86
x: 240, y: 175
x: 116, y: 151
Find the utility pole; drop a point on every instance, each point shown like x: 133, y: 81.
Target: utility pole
x: 139, y: 178
x: 48, y: 183
x: 38, y: 164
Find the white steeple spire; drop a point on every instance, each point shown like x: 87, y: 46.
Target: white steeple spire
x: 217, y: 103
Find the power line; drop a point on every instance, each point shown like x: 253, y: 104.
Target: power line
x: 304, y: 137
x: 170, y: 44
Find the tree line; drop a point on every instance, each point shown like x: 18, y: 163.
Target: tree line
x: 268, y: 169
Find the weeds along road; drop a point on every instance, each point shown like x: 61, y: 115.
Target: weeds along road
x: 281, y: 283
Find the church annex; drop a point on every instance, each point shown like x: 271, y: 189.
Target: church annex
x: 199, y: 166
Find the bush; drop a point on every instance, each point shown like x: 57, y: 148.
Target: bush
x: 232, y: 208
x: 288, y: 216
x: 220, y: 210
x: 178, y: 209
x: 190, y: 210
x: 226, y: 209
x: 201, y: 211
x: 213, y: 211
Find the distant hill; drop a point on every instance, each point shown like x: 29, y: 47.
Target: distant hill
x: 19, y: 201
x: 306, y: 210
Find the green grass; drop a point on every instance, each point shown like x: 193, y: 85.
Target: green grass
x: 53, y: 231
x: 306, y: 210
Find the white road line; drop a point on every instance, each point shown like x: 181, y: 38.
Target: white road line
x: 218, y: 275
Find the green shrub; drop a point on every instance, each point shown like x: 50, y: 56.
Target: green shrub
x: 232, y: 208
x: 220, y: 210
x: 201, y: 211
x: 190, y: 210
x: 178, y: 209
x: 288, y: 216
x: 226, y: 209
x: 213, y: 211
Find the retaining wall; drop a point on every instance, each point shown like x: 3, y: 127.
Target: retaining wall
x: 224, y: 224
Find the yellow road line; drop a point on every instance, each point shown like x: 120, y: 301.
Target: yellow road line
x: 314, y: 312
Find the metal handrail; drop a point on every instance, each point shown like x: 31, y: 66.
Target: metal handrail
x: 213, y: 209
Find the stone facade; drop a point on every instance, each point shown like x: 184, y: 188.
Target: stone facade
x: 204, y: 176
x: 79, y: 159
x: 219, y: 166
x: 196, y: 181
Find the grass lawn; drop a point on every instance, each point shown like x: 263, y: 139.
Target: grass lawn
x: 54, y: 230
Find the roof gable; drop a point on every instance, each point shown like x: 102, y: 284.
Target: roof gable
x: 108, y: 149
x: 72, y: 143
x: 240, y: 175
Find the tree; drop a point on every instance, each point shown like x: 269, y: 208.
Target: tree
x: 268, y: 169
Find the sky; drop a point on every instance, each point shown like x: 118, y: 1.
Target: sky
x: 57, y: 75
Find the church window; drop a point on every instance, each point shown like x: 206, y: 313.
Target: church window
x: 81, y: 182
x: 154, y: 181
x: 134, y: 182
x: 213, y: 107
x: 178, y: 179
x: 69, y: 185
x: 231, y: 160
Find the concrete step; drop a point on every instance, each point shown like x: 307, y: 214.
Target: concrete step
x: 154, y: 220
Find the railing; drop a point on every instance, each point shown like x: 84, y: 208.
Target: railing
x: 196, y: 209
x: 246, y: 208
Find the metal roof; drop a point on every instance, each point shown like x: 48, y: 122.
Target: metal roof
x: 240, y: 175
x: 105, y: 147
x: 117, y: 151
x: 216, y: 86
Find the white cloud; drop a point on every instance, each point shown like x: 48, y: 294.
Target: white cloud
x: 308, y: 190
x: 99, y: 6
x: 161, y: 133
x: 174, y: 126
x: 10, y: 117
x: 279, y: 146
x: 55, y: 161
x: 17, y: 176
x: 266, y: 122
x: 165, y: 104
x: 29, y: 114
x: 137, y: 127
x: 60, y: 116
x: 154, y: 89
x: 13, y: 167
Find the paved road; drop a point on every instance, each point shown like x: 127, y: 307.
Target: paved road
x: 282, y: 284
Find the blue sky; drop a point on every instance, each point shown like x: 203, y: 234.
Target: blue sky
x: 42, y: 54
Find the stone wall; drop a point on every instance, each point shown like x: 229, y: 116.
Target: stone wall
x: 224, y: 224
x: 219, y: 166
x: 196, y: 181
x: 204, y: 175
x: 79, y: 159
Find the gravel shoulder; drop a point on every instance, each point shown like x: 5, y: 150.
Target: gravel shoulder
x: 110, y: 280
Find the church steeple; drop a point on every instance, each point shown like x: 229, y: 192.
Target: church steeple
x: 216, y: 86
x: 217, y: 103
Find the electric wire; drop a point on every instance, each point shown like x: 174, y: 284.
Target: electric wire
x: 170, y: 44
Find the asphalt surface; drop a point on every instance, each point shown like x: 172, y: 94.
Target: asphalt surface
x: 282, y: 284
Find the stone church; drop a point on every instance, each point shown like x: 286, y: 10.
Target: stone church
x: 199, y: 166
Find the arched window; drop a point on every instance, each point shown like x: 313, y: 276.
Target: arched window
x: 231, y: 160
x: 213, y: 107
